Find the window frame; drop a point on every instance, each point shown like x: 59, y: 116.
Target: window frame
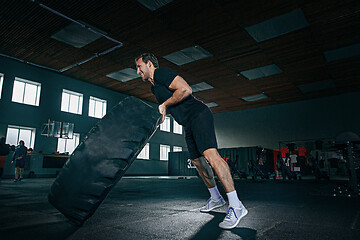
x: 103, y: 107
x: 165, y: 126
x: 79, y: 104
x: 176, y: 127
x: 161, y: 154
x: 2, y: 76
x: 27, y: 82
x: 32, y: 136
x: 77, y: 142
x: 146, y: 152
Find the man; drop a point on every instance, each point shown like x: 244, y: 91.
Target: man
x: 175, y: 97
x: 19, y: 158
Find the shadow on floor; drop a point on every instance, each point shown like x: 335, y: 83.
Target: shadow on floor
x: 212, y: 231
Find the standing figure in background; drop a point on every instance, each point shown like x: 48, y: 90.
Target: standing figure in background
x: 4, y: 150
x: 19, y: 158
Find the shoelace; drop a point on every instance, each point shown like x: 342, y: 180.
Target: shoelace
x: 229, y: 213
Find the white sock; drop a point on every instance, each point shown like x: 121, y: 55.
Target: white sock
x: 214, y: 192
x: 233, y: 199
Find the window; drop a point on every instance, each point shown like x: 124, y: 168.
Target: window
x: 1, y: 83
x: 144, y: 154
x: 97, y: 107
x: 164, y: 152
x: 177, y: 128
x: 177, y: 149
x: 71, y: 102
x: 68, y: 145
x: 26, y: 92
x: 15, y: 134
x: 165, y: 126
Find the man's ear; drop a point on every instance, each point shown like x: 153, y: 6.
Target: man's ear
x: 149, y: 63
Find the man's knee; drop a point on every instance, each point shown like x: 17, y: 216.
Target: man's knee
x: 212, y: 155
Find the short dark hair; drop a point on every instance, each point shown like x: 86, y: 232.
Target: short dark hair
x: 148, y: 57
x: 21, y: 142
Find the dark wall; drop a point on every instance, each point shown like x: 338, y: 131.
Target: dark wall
x: 52, y: 84
x: 297, y: 121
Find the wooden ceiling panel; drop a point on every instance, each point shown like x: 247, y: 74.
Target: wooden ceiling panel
x: 217, y: 26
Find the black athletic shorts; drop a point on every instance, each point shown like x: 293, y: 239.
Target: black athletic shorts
x: 200, y: 134
x: 20, y: 163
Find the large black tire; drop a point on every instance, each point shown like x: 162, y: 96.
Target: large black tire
x: 102, y: 158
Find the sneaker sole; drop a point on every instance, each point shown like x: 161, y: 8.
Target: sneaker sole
x: 209, y: 210
x: 237, y: 222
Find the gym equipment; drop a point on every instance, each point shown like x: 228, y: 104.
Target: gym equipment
x: 264, y: 165
x: 102, y: 158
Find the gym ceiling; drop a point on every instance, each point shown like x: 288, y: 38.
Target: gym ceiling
x: 244, y: 54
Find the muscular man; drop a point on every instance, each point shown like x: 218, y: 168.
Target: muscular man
x: 175, y: 97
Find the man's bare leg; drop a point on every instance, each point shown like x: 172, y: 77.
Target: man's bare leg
x: 221, y: 168
x: 207, y: 174
x: 236, y: 209
x: 205, y: 171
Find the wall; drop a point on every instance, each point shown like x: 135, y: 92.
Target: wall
x: 52, y: 84
x: 297, y: 121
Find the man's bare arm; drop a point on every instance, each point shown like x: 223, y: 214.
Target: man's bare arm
x: 181, y: 91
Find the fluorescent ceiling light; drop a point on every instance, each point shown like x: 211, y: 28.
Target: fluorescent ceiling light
x: 278, y: 26
x: 76, y: 35
x: 200, y: 87
x: 152, y: 5
x: 188, y: 55
x: 261, y: 72
x: 212, y: 104
x: 124, y: 75
x: 254, y: 97
x: 314, y: 87
x: 341, y: 53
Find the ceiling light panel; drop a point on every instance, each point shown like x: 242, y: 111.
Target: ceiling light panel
x: 261, y: 72
x: 124, y: 75
x: 76, y: 35
x: 278, y: 26
x: 342, y: 53
x: 188, y: 55
x: 200, y: 87
x: 152, y: 5
x: 212, y: 104
x: 255, y: 97
x: 317, y: 86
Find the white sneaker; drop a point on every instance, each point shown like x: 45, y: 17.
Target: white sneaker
x: 233, y: 217
x: 212, y: 204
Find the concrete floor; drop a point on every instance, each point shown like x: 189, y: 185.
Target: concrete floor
x: 162, y: 208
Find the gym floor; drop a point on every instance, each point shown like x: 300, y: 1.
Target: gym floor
x: 168, y: 208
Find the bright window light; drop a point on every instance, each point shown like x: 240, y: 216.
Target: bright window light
x: 68, y: 145
x: 1, y: 82
x: 165, y: 126
x: 97, y: 107
x: 144, y: 154
x: 71, y: 102
x: 177, y: 149
x: 177, y: 128
x: 164, y: 152
x: 16, y: 133
x: 26, y: 92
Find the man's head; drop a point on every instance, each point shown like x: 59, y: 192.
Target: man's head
x: 146, y: 63
x: 21, y: 142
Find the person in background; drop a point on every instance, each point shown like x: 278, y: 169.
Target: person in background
x: 4, y: 150
x: 19, y: 158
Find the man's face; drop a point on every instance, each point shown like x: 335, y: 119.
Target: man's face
x: 142, y: 69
